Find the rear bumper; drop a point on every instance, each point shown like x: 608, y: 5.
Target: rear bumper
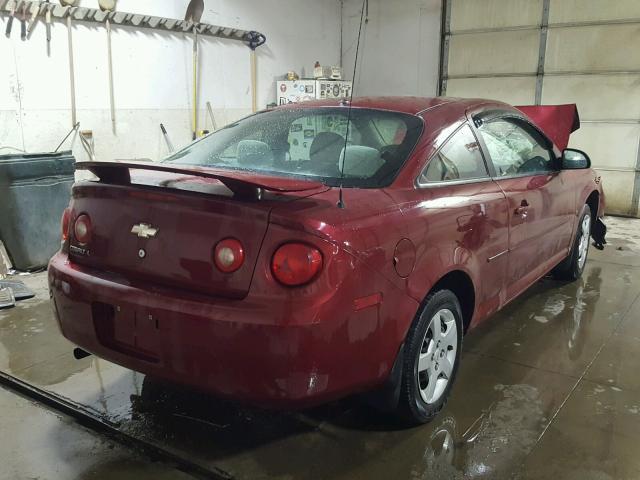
x: 240, y: 349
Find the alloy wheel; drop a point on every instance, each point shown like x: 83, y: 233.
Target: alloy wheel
x: 583, y: 245
x: 437, y: 356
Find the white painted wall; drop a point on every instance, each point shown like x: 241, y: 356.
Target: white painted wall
x: 152, y: 73
x: 399, y: 48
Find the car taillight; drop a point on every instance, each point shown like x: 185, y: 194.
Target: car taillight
x: 66, y: 217
x: 296, y: 263
x: 228, y: 255
x: 82, y: 229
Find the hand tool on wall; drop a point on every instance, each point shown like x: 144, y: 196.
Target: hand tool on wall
x: 193, y: 15
x: 111, y: 95
x: 86, y: 137
x: 72, y: 76
x: 12, y: 15
x: 254, y: 40
x: 75, y: 127
x: 194, y: 11
x: 167, y: 139
x: 109, y: 6
x: 195, y: 83
x: 213, y: 120
x: 47, y: 22
x: 23, y: 21
x: 35, y: 11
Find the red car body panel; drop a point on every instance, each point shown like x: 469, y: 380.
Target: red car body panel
x: 245, y: 336
x: 557, y: 121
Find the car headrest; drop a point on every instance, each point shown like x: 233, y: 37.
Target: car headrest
x: 360, y: 161
x: 327, y: 146
x: 254, y: 152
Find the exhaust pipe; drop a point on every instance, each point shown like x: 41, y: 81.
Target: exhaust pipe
x: 79, y: 354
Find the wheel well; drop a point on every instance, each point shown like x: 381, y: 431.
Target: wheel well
x: 593, y: 200
x: 461, y: 285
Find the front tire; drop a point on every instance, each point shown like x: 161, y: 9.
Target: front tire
x: 572, y: 267
x: 432, y: 355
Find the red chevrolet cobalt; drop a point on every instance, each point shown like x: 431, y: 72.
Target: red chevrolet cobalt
x: 323, y: 249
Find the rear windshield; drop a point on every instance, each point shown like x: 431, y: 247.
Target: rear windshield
x: 311, y: 143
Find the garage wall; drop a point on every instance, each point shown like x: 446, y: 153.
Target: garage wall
x: 152, y: 73
x: 558, y: 51
x: 399, y: 48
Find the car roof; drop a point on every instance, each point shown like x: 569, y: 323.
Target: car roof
x: 403, y: 104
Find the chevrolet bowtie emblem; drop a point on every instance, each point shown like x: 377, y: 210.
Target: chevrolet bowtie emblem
x: 144, y: 230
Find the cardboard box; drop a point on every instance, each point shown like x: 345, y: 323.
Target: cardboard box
x: 333, y: 73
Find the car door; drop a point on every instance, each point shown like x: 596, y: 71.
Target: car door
x: 540, y: 204
x: 458, y: 217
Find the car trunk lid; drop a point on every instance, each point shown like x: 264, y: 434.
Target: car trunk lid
x: 162, y: 225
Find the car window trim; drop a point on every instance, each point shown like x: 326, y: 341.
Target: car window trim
x: 446, y: 183
x: 438, y: 183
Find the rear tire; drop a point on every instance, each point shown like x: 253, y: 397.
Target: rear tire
x: 432, y: 355
x: 571, y: 268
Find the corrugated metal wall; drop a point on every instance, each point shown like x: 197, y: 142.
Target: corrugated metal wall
x: 558, y: 51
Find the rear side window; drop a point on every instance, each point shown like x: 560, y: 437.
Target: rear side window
x: 516, y: 148
x: 458, y: 159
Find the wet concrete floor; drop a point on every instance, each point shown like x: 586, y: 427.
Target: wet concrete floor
x: 39, y: 444
x: 548, y: 388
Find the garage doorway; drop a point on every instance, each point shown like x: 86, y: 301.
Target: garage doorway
x: 527, y: 52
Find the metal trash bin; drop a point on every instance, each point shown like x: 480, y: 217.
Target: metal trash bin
x: 34, y: 191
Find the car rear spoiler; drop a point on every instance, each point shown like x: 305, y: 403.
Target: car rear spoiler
x: 556, y: 121
x: 243, y: 183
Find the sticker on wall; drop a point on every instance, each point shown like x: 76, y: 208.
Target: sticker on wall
x: 283, y: 87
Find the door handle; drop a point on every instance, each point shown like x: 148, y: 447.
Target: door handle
x: 522, y: 209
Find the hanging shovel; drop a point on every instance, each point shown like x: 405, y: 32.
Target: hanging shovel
x: 72, y: 76
x: 167, y: 139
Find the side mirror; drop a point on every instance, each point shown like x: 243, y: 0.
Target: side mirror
x: 575, y: 159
